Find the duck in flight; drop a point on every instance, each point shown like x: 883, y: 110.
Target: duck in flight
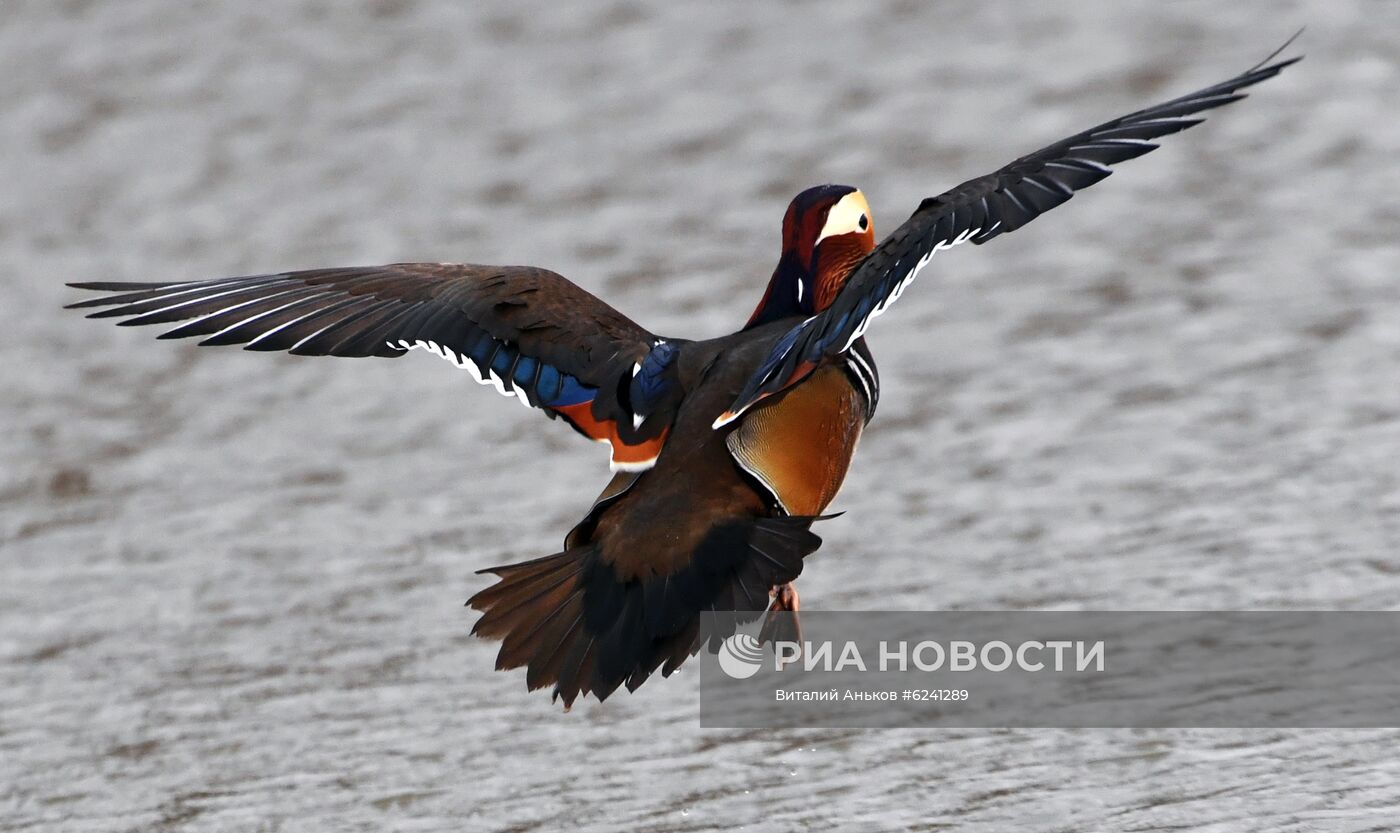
x: 723, y: 451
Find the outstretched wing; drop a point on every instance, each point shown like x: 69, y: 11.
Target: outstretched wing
x: 979, y: 210
x: 528, y: 332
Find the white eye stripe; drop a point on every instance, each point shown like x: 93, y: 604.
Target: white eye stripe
x: 845, y: 216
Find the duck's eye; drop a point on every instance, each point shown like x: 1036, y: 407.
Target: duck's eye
x: 863, y: 222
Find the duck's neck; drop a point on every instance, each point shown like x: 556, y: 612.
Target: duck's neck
x: 787, y: 294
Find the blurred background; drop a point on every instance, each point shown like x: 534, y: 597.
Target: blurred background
x: 231, y: 584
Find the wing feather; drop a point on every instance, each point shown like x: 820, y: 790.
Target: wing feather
x: 980, y: 210
x: 529, y: 332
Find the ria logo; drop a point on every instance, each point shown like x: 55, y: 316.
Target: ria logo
x: 740, y: 656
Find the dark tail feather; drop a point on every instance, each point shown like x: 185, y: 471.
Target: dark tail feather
x: 572, y: 623
x: 532, y: 609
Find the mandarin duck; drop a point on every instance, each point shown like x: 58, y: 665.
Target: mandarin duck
x: 724, y: 451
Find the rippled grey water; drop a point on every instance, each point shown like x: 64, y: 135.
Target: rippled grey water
x: 231, y: 584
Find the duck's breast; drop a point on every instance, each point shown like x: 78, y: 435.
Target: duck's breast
x: 800, y: 445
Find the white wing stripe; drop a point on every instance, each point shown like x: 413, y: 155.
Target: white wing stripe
x: 1078, y: 164
x: 465, y: 363
x: 178, y: 302
x: 279, y: 327
x: 904, y: 282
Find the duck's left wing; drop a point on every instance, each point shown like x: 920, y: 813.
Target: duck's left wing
x: 979, y: 210
x: 527, y: 331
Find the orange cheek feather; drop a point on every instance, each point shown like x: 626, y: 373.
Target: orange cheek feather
x: 839, y: 257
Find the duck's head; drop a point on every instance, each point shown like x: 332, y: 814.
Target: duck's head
x: 827, y: 230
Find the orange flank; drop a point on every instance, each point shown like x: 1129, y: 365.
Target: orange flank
x: 624, y: 457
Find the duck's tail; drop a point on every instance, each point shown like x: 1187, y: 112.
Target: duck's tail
x: 570, y: 621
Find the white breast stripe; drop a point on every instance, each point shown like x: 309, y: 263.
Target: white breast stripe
x: 464, y: 363
x: 861, y: 362
x: 867, y: 375
x: 859, y: 372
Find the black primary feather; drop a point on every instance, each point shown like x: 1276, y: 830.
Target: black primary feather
x: 983, y: 209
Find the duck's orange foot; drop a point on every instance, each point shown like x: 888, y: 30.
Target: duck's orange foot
x: 782, y: 623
